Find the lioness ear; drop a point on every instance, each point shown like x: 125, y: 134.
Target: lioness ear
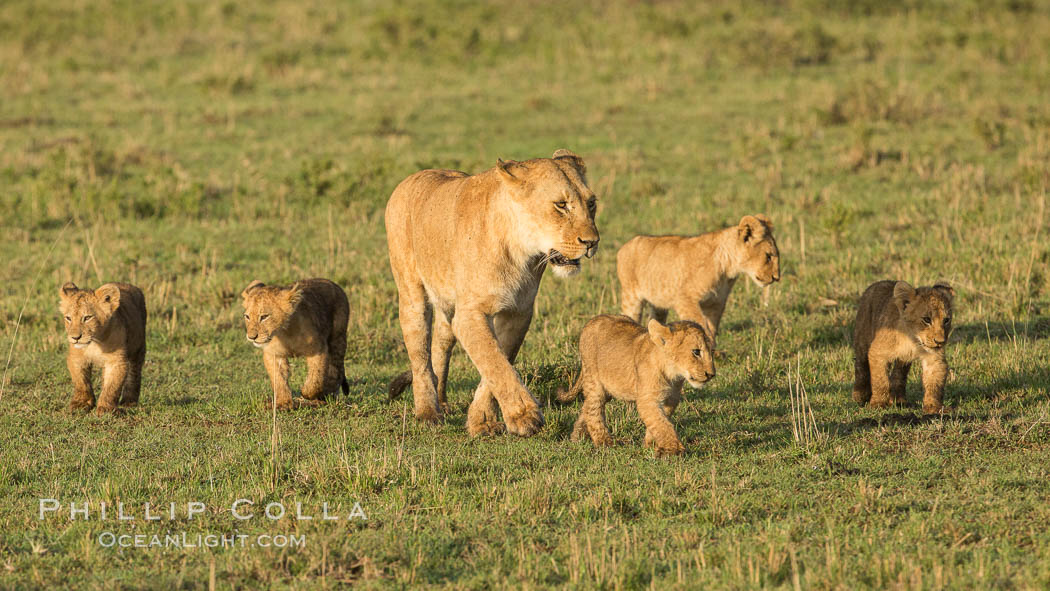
x: 902, y: 294
x: 67, y: 290
x: 750, y: 229
x: 109, y: 296
x: 658, y: 332
x: 765, y: 221
x: 251, y: 286
x: 944, y: 288
x: 571, y: 157
x: 504, y: 171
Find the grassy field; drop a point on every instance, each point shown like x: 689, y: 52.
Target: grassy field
x: 192, y: 147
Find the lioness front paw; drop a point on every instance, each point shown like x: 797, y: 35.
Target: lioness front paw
x: 281, y: 404
x: 428, y: 414
x: 81, y: 405
x: 526, y: 422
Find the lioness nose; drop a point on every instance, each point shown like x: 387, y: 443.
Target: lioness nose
x: 591, y: 245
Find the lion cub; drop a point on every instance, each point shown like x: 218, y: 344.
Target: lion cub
x: 307, y: 319
x: 897, y: 325
x: 621, y: 359
x: 106, y: 328
x: 693, y: 275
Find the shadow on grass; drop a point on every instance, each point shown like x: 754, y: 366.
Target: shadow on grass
x: 995, y: 332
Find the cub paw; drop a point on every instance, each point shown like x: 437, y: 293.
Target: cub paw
x: 674, y: 449
x: 428, y: 415
x: 482, y: 428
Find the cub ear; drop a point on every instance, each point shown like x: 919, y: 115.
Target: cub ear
x: 504, y: 171
x: 751, y: 229
x: 571, y: 157
x: 943, y: 287
x: 109, y: 296
x: 903, y: 294
x: 293, y: 295
x: 659, y: 333
x: 67, y: 290
x: 765, y: 221
x: 251, y: 286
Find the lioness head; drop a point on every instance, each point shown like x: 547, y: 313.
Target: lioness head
x: 267, y: 309
x: 686, y: 348
x: 926, y: 312
x: 553, y: 209
x: 758, y: 255
x: 87, y: 312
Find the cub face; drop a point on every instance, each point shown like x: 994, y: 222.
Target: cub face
x: 925, y: 313
x: 760, y: 257
x: 554, y: 208
x: 687, y: 349
x: 87, y: 313
x: 267, y: 310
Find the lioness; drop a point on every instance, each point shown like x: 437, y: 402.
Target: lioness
x: 621, y: 359
x: 306, y: 319
x: 693, y: 275
x: 897, y: 325
x: 106, y: 329
x: 467, y: 254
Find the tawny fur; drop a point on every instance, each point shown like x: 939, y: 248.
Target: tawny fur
x: 896, y: 326
x: 623, y: 360
x: 467, y: 254
x: 306, y: 319
x: 693, y: 275
x: 106, y: 329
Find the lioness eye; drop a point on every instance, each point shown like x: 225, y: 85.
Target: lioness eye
x: 68, y: 319
x: 561, y: 205
x: 246, y: 316
x: 697, y: 353
x: 86, y: 318
x: 769, y: 257
x: 263, y: 317
x: 926, y: 319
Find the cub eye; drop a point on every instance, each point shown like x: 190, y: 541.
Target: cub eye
x: 263, y: 317
x: 947, y: 320
x: 246, y: 316
x: 769, y: 257
x: 926, y: 319
x: 561, y: 206
x: 698, y: 353
x: 68, y: 319
x: 86, y: 318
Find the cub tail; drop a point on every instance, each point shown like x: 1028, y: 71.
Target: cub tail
x: 567, y: 396
x: 345, y: 385
x: 399, y: 383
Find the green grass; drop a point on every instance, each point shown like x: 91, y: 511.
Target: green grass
x: 192, y: 147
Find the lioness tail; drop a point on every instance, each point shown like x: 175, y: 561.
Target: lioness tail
x: 398, y: 384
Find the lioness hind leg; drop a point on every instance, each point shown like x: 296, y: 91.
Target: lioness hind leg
x: 414, y: 314
x: 443, y: 341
